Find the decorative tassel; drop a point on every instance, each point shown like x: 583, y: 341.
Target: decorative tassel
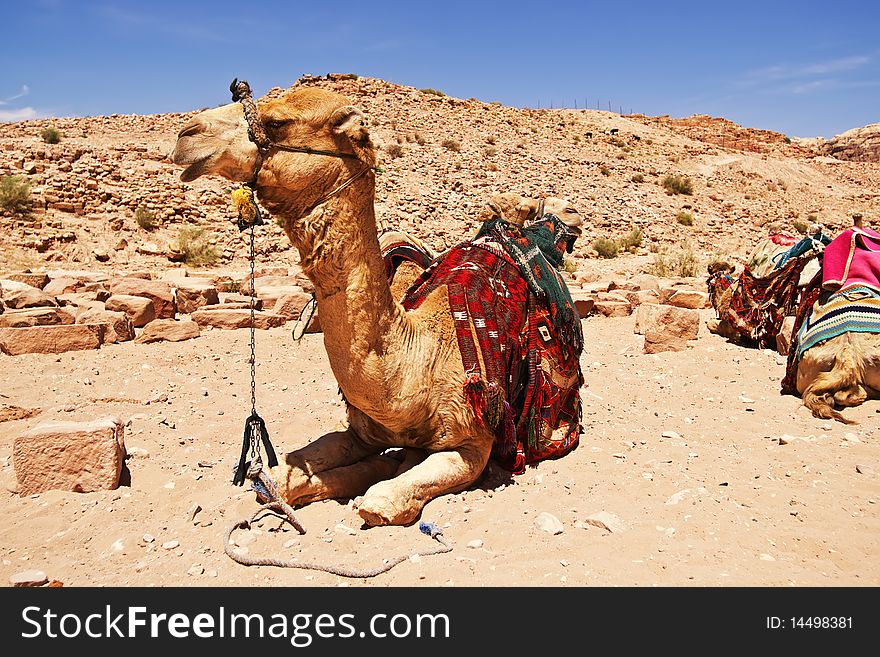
x: 245, y: 207
x: 475, y: 394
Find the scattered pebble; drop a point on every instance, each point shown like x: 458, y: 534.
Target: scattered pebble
x: 672, y: 435
x: 170, y: 545
x: 767, y: 557
x: 137, y: 452
x: 851, y: 437
x: 118, y: 545
x: 195, y: 570
x: 345, y: 529
x: 148, y: 538
x: 291, y: 543
x: 864, y: 469
x: 475, y: 544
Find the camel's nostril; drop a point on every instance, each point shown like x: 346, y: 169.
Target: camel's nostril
x: 190, y: 130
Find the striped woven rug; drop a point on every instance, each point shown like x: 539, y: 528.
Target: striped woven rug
x: 855, y: 309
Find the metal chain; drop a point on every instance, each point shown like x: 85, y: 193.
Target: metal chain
x: 254, y: 448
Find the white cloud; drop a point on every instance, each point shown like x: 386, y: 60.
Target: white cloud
x: 22, y: 114
x: 834, y: 65
x: 25, y: 90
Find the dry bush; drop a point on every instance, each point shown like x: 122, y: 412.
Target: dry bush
x: 145, y: 218
x: 452, y: 145
x: 51, y: 135
x: 394, y: 151
x: 606, y: 248
x: 15, y: 195
x: 685, y: 218
x: 680, y: 262
x: 678, y: 185
x: 195, y: 245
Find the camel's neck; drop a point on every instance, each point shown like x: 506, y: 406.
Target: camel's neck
x: 339, y: 252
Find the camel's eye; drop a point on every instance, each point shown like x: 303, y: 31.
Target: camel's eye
x: 276, y: 124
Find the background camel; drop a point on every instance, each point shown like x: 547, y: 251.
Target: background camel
x: 401, y: 371
x: 835, y: 359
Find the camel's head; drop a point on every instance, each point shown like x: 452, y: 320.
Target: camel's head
x: 521, y: 210
x: 216, y: 142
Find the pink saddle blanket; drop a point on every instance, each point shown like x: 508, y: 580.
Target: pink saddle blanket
x: 852, y: 258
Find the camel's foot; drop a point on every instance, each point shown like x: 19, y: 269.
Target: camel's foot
x: 379, y: 506
x: 292, y: 483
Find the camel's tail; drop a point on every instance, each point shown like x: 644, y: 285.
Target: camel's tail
x: 841, y: 385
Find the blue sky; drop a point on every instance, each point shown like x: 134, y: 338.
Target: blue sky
x: 802, y: 68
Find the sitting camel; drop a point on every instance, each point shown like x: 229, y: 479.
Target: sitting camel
x: 835, y: 353
x: 417, y: 375
x: 751, y: 307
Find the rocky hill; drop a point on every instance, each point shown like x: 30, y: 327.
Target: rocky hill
x: 105, y: 196
x: 857, y: 145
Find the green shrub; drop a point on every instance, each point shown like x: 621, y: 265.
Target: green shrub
x: 420, y: 139
x: 678, y: 185
x: 638, y: 178
x: 145, y: 218
x: 800, y: 226
x: 15, y: 194
x: 194, y: 243
x: 433, y: 92
x: 606, y: 248
x: 489, y: 151
x: 51, y: 135
x: 452, y: 145
x: 685, y: 218
x: 491, y: 139
x: 569, y: 265
x: 605, y: 171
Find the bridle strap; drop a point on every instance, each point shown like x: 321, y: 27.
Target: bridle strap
x: 241, y: 93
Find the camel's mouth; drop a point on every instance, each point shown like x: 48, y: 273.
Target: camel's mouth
x: 195, y: 169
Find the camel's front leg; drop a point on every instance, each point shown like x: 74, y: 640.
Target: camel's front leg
x: 399, y: 501
x: 338, y: 464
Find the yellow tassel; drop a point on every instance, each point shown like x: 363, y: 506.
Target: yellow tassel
x: 243, y: 203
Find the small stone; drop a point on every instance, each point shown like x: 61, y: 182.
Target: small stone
x: 415, y: 558
x: 28, y: 578
x: 211, y: 573
x: 549, y: 523
x: 648, y: 476
x: 118, y: 545
x: 865, y: 469
x: 672, y: 435
x: 194, y: 511
x: 475, y: 544
x: 851, y: 437
x: 607, y: 521
x: 195, y: 570
x: 344, y: 529
x: 138, y: 452
x: 291, y: 543
x: 169, y: 485
x: 148, y: 538
x: 170, y: 545
x: 767, y: 557
x: 746, y: 400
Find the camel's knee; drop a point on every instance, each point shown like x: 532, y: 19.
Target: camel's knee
x: 851, y: 396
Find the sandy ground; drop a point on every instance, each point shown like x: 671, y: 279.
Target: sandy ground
x: 682, y: 449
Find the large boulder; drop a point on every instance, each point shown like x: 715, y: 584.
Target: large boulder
x: 159, y: 292
x: 666, y: 328
x: 73, y: 456
x: 170, y: 330
x: 234, y: 319
x: 50, y: 339
x: 140, y: 310
x: 118, y: 326
x: 291, y: 305
x: 685, y: 298
x: 38, y: 280
x: 193, y: 294
x: 22, y: 295
x: 36, y: 317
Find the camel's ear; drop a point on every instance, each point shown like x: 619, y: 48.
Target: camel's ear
x: 350, y: 122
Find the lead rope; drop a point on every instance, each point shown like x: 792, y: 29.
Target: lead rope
x: 250, y: 463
